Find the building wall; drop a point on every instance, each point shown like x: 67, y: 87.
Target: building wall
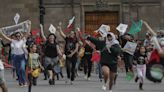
x: 62, y: 10
x: 28, y: 9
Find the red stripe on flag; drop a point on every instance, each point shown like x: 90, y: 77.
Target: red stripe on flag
x: 154, y: 57
x: 69, y: 29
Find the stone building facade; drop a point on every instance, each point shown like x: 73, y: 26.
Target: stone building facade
x: 90, y: 14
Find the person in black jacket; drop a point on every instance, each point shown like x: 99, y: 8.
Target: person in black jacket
x: 110, y: 50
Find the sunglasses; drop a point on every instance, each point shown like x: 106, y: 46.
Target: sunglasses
x: 17, y: 35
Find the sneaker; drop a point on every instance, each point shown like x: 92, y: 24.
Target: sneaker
x: 104, y: 87
x: 100, y: 80
x: 89, y: 78
x: 110, y: 90
x: 20, y: 85
x: 136, y: 79
x: 78, y: 74
x: 71, y: 82
x: 50, y: 82
x: 25, y: 85
x: 140, y: 86
x: 85, y: 77
x: 67, y: 81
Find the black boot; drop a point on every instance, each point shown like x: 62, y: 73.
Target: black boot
x: 53, y: 81
x: 115, y: 77
x: 141, y: 86
x: 50, y: 82
x: 136, y: 79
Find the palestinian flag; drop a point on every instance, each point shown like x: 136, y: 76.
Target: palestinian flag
x: 154, y: 57
x: 136, y: 27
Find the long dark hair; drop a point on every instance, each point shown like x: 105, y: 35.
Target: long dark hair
x: 52, y: 35
x: 140, y: 48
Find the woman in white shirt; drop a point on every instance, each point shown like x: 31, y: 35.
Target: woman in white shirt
x: 19, y: 51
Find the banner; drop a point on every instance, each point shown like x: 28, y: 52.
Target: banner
x: 21, y: 27
x: 130, y: 47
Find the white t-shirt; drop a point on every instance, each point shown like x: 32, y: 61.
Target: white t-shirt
x: 17, y: 47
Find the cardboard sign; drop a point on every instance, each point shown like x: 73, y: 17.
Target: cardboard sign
x: 16, y: 18
x: 130, y: 47
x: 52, y: 29
x: 103, y: 30
x: 122, y: 28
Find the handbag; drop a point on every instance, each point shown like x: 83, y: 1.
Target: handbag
x: 81, y: 52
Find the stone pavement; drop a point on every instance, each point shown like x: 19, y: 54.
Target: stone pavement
x: 82, y: 85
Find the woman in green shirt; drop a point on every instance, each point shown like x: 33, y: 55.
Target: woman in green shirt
x: 33, y: 63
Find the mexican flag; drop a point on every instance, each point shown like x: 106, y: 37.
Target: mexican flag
x: 136, y: 27
x: 70, y: 25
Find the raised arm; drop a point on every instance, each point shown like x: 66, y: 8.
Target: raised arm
x: 42, y: 33
x: 28, y: 30
x: 99, y: 44
x: 149, y: 28
x: 60, y: 30
x: 155, y: 40
x: 59, y: 51
x: 7, y: 38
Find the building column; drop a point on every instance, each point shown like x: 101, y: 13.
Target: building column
x: 162, y: 15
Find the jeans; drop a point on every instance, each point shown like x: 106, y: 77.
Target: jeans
x: 20, y: 63
x: 87, y: 65
x: 128, y: 60
x: 70, y: 67
x: 99, y: 70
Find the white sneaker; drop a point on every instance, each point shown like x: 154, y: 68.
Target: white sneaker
x: 67, y: 81
x: 85, y: 77
x: 104, y: 87
x: 71, y: 82
x: 110, y: 90
x: 89, y: 79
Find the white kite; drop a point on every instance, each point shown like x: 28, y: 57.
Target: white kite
x: 16, y: 18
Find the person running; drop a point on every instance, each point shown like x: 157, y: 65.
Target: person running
x: 128, y: 59
x: 71, y: 50
x: 110, y: 50
x: 87, y: 61
x: 140, y: 58
x: 33, y: 63
x: 2, y: 78
x: 19, y: 52
x: 51, y: 51
x: 155, y: 40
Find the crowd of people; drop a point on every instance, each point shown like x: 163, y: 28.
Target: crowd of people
x: 49, y: 56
